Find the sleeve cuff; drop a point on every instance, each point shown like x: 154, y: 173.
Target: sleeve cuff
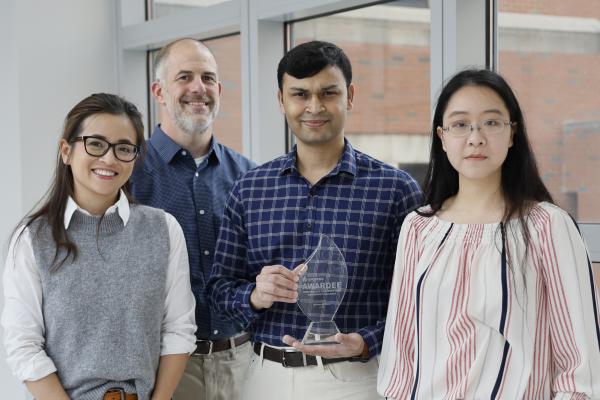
x: 248, y: 313
x: 177, y: 344
x: 371, y: 339
x: 571, y: 396
x: 37, y: 368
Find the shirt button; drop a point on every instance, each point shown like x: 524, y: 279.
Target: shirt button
x: 201, y: 212
x: 216, y: 331
x: 183, y: 152
x: 196, y: 174
x: 206, y: 252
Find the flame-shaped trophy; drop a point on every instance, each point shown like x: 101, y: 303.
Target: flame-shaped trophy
x: 321, y: 288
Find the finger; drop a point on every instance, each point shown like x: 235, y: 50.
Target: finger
x: 353, y: 342
x: 300, y: 269
x: 350, y: 339
x: 343, y: 338
x: 277, y: 285
x: 283, y: 299
x: 278, y: 281
x: 276, y: 293
x: 327, y: 351
x: 289, y: 340
x: 279, y: 270
x: 273, y: 287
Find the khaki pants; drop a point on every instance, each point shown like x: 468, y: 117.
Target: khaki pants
x: 346, y: 380
x: 218, y: 376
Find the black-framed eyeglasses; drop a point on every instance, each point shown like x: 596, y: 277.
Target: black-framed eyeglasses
x: 462, y: 129
x: 97, y: 147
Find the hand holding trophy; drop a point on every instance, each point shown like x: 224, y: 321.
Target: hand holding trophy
x: 321, y: 288
x: 323, y: 279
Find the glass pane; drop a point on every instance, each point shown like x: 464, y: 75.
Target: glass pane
x: 228, y: 125
x: 161, y: 8
x: 550, y: 53
x: 388, y: 46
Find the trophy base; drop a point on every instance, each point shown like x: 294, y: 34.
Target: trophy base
x: 319, y: 333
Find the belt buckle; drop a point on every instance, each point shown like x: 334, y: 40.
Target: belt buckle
x: 284, y: 352
x: 210, y: 347
x: 119, y: 390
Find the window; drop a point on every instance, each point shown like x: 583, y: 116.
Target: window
x: 388, y: 46
x: 549, y: 53
x: 161, y: 8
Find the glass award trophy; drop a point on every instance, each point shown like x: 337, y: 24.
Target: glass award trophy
x: 321, y: 288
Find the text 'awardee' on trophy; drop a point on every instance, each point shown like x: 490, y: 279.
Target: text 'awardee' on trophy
x: 321, y: 288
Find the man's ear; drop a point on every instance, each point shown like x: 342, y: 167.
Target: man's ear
x: 157, y: 91
x: 280, y: 101
x: 65, y: 151
x: 351, y: 89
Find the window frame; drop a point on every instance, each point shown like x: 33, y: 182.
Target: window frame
x: 261, y: 24
x: 589, y: 230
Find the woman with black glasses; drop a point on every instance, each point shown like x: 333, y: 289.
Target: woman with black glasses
x: 493, y: 295
x: 98, y: 303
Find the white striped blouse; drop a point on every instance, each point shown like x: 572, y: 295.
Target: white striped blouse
x: 470, y: 317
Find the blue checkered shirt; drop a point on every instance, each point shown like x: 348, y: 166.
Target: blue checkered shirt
x: 167, y: 177
x: 273, y: 216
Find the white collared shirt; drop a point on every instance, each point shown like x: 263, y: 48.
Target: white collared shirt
x: 121, y: 206
x: 23, y: 320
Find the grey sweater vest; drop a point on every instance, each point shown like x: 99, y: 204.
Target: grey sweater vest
x: 103, y: 311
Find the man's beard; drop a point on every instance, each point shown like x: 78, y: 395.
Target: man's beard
x: 190, y: 125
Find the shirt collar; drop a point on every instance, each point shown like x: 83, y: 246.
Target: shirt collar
x: 215, y: 149
x: 164, y: 145
x: 346, y: 164
x: 121, y: 206
x: 167, y: 148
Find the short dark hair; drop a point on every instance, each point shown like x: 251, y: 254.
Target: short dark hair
x: 310, y: 58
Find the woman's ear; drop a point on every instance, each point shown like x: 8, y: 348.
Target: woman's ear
x: 65, y: 151
x: 440, y: 132
x: 513, y: 132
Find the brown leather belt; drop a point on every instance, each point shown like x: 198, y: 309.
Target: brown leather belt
x: 119, y: 394
x: 293, y: 358
x: 205, y: 347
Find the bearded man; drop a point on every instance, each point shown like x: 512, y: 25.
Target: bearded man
x: 186, y: 172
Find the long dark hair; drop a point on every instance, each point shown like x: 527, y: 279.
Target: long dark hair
x: 521, y: 183
x: 52, y: 206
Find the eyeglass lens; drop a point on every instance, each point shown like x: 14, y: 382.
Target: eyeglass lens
x: 98, y: 147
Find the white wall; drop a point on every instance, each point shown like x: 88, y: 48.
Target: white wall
x: 66, y: 51
x: 54, y: 54
x: 10, y: 203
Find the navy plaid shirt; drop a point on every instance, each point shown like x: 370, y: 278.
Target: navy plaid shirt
x: 167, y: 177
x: 273, y: 216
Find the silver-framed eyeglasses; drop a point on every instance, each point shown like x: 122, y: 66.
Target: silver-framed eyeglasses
x: 97, y: 147
x: 462, y: 129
